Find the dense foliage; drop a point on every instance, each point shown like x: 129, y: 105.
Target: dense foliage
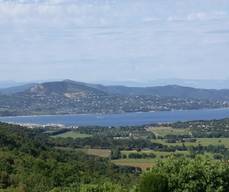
x: 28, y: 162
x: 185, y: 175
x: 213, y: 128
x: 140, y: 138
x: 31, y: 162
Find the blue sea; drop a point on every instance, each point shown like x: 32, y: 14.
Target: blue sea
x: 123, y: 119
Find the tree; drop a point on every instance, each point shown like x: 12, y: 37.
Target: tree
x: 115, y: 153
x: 153, y: 182
x: 189, y: 175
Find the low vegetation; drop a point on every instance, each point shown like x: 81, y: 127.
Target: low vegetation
x: 72, y: 134
x: 123, y: 159
x: 148, y: 144
x: 30, y: 162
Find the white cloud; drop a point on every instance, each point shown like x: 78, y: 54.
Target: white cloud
x: 49, y: 11
x: 101, y: 12
x: 200, y: 16
x: 207, y: 15
x: 78, y: 34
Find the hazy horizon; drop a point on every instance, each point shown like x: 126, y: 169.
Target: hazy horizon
x: 195, y: 83
x: 114, y: 40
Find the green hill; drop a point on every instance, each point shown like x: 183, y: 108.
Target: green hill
x: 29, y: 162
x: 68, y: 97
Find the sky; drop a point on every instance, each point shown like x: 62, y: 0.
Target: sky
x: 114, y: 40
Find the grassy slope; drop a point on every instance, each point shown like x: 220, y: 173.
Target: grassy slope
x: 72, y: 134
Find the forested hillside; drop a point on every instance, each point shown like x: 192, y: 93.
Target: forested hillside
x: 30, y: 161
x: 67, y: 97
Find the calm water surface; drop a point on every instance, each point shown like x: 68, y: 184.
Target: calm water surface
x: 122, y: 119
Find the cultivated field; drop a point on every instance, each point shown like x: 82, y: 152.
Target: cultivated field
x: 163, y: 131
x: 140, y: 163
x: 98, y: 152
x: 199, y: 141
x: 73, y: 134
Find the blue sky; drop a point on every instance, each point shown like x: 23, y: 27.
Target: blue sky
x: 114, y: 40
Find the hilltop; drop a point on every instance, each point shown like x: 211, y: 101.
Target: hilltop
x: 65, y: 97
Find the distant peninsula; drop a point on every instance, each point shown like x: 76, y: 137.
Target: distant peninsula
x: 71, y: 97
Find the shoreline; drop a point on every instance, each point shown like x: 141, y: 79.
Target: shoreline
x: 106, y: 114
x: 121, y: 119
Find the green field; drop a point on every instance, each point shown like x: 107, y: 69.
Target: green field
x: 73, y: 134
x: 97, y: 152
x: 157, y: 153
x: 213, y: 141
x: 163, y: 131
x: 140, y: 163
x: 201, y: 141
x: 145, y: 163
x: 149, y: 162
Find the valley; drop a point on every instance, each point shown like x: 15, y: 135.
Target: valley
x: 110, y: 159
x: 143, y: 146
x: 114, y: 96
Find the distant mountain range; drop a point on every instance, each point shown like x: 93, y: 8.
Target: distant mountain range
x: 195, y: 83
x: 64, y: 97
